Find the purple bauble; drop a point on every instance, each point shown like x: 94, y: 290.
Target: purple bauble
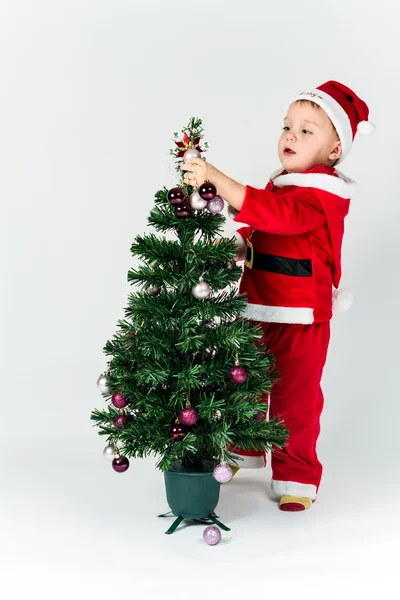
x: 177, y: 432
x: 120, y: 420
x: 207, y: 190
x: 222, y: 472
x: 216, y: 205
x: 176, y: 195
x: 238, y: 374
x: 188, y: 416
x: 260, y: 415
x: 120, y: 464
x: 182, y: 210
x: 119, y: 400
x: 212, y: 535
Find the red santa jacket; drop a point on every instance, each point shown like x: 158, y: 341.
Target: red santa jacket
x: 292, y: 245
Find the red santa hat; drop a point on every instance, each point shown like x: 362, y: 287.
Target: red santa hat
x: 348, y: 113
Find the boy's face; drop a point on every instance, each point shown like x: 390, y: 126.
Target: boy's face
x: 308, y: 139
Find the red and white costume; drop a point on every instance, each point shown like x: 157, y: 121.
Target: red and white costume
x: 292, y: 251
x: 292, y: 247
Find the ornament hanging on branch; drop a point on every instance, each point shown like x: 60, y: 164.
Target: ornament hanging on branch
x: 222, y: 472
x: 215, y: 205
x: 188, y: 416
x: 120, y: 464
x: 111, y: 451
x: 201, y: 290
x: 207, y: 191
x: 260, y: 415
x: 217, y: 414
x: 121, y: 420
x: 176, y: 195
x: 119, y: 400
x: 108, y: 452
x: 182, y: 210
x: 152, y: 290
x: 178, y: 431
x: 238, y: 374
x: 102, y: 382
x: 197, y: 202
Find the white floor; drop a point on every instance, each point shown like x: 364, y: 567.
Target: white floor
x: 72, y: 528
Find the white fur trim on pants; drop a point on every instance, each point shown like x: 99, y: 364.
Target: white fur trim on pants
x: 279, y: 314
x: 292, y: 488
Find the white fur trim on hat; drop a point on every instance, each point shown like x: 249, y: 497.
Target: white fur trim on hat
x: 337, y: 115
x: 342, y: 299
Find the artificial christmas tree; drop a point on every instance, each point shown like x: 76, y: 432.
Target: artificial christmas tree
x: 187, y: 377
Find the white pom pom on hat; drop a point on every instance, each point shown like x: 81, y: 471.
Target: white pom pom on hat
x: 365, y: 127
x: 342, y: 299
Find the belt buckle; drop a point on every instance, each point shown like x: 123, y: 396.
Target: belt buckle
x: 247, y: 262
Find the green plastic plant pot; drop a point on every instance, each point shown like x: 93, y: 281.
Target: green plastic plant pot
x: 192, y: 493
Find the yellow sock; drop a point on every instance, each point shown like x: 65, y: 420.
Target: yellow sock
x: 294, y: 503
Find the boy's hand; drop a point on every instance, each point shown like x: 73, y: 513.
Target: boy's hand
x: 198, y: 171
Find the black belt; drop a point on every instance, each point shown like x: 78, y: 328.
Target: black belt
x: 297, y: 267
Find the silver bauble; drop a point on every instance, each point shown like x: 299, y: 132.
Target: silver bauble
x: 191, y: 153
x: 217, y: 414
x: 197, y: 202
x: 108, y: 452
x: 102, y: 384
x: 215, y: 205
x: 201, y: 290
x: 232, y: 212
x: 153, y: 290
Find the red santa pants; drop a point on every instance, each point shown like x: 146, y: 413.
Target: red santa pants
x: 296, y: 398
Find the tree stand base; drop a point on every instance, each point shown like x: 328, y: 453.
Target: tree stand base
x: 212, y: 518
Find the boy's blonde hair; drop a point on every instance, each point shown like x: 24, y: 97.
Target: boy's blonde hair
x: 302, y: 102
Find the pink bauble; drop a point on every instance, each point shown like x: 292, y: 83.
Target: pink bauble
x: 238, y: 374
x: 120, y: 420
x: 212, y: 535
x: 215, y: 205
x: 119, y: 400
x: 222, y: 472
x: 120, y: 464
x: 188, y: 416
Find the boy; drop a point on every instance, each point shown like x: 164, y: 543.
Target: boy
x: 292, y: 252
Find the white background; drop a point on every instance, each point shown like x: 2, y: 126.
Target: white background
x: 91, y: 93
